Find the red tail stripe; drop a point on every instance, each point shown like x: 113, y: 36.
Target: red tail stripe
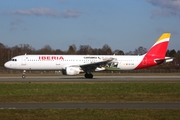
x: 156, y: 52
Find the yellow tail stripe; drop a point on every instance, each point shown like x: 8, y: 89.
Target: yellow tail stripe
x: 164, y: 36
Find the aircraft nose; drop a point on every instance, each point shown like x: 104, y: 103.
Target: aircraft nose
x: 7, y: 65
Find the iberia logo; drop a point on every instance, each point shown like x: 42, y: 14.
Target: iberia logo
x: 51, y: 57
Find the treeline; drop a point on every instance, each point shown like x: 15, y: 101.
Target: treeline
x: 6, y: 53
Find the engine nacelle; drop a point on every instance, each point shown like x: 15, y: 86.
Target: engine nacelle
x: 71, y: 71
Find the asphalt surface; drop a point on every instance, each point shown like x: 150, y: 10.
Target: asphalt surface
x: 100, y: 105
x: 123, y: 105
x: 95, y: 79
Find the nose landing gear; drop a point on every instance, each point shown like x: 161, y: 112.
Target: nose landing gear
x: 23, y: 75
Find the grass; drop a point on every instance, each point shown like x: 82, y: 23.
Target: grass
x: 89, y: 92
x: 90, y: 114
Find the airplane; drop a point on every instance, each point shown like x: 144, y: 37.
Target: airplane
x: 76, y: 64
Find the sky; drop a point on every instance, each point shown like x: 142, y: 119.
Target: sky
x: 121, y: 24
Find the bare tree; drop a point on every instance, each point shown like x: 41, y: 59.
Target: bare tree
x: 106, y: 50
x: 58, y: 52
x: 140, y: 51
x: 172, y: 53
x: 129, y: 53
x: 72, y: 50
x: 3, y: 54
x: 84, y: 50
x: 118, y: 52
x: 46, y: 50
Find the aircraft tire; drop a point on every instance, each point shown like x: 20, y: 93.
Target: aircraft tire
x: 88, y: 75
x: 23, y: 76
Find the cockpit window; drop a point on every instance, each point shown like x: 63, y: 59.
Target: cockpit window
x: 13, y: 59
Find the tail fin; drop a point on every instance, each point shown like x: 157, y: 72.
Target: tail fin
x: 157, y: 53
x: 159, y: 49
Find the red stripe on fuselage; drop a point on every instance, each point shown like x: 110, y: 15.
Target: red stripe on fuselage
x: 156, y: 52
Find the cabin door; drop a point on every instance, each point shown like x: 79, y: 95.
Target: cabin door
x: 23, y: 61
x: 57, y: 62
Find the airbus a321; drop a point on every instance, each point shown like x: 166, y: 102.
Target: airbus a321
x: 76, y: 64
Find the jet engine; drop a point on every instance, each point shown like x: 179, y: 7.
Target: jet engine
x: 71, y: 71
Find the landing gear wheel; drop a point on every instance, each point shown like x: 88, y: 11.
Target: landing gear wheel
x: 23, y: 76
x: 88, y: 75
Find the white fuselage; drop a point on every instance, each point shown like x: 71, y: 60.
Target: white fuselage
x: 59, y: 62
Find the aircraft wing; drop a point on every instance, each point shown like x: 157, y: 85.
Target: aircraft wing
x: 92, y: 66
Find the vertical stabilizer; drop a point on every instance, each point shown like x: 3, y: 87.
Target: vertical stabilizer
x: 157, y: 53
x: 160, y: 47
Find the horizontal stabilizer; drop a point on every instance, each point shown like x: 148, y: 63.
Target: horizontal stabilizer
x: 167, y: 59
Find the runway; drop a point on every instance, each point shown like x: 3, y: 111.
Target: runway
x: 123, y: 105
x: 100, y: 105
x: 95, y: 79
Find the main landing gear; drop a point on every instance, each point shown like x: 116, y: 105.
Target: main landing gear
x: 23, y: 75
x: 88, y: 75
